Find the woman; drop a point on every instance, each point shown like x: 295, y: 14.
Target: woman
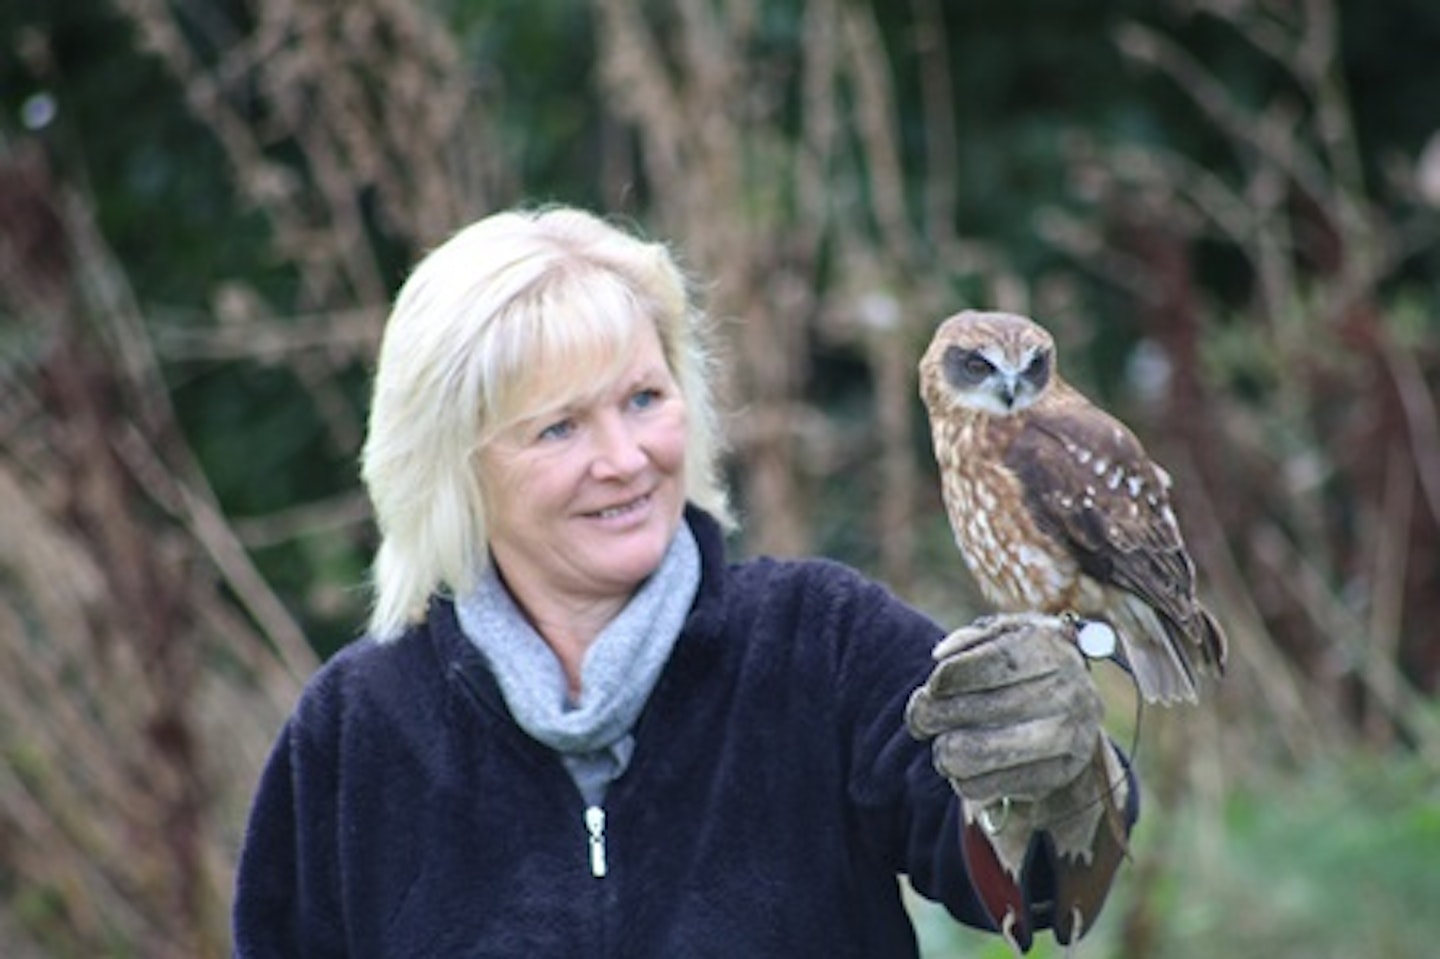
x: 574, y: 729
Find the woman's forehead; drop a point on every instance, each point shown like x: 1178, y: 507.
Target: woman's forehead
x: 571, y: 371
x: 575, y: 377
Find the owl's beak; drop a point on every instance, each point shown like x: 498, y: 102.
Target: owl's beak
x: 1007, y: 393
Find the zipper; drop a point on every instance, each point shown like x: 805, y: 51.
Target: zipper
x: 595, y: 829
x: 594, y: 817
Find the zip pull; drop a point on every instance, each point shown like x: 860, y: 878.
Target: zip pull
x: 595, y: 826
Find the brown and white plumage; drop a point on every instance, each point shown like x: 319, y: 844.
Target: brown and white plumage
x: 1055, y: 505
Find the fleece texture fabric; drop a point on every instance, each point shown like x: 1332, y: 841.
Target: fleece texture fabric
x: 772, y: 799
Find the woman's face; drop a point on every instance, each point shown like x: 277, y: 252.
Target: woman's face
x: 583, y: 502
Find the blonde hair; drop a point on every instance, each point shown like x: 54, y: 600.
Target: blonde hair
x: 474, y: 342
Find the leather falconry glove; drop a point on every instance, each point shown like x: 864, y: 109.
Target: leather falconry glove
x: 1015, y: 721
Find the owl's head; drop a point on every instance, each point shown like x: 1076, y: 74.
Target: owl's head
x: 998, y: 363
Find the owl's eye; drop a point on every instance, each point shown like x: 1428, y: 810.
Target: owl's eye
x: 1038, y: 369
x: 966, y: 367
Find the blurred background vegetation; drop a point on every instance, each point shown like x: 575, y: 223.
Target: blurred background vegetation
x: 1225, y: 209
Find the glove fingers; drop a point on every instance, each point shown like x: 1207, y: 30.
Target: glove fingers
x: 1010, y: 706
x: 1002, y: 659
x: 1037, y: 782
x: 989, y: 628
x: 1054, y: 693
x: 1025, y: 760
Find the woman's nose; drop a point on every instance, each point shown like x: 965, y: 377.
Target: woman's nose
x: 618, y: 449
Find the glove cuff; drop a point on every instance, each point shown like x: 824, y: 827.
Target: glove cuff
x: 1071, y: 814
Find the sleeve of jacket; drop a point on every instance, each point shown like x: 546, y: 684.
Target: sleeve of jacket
x: 905, y: 813
x: 287, y: 885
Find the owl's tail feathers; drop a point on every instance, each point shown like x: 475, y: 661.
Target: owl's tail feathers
x: 1199, y: 647
x: 1167, y: 654
x: 1155, y: 650
x: 1214, y: 647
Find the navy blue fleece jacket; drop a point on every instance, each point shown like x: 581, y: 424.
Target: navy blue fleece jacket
x: 772, y: 799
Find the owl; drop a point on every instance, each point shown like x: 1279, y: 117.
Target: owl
x: 1055, y: 505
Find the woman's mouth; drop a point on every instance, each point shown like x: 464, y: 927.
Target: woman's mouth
x: 623, y: 509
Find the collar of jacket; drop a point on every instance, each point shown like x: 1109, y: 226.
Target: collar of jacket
x: 694, y: 650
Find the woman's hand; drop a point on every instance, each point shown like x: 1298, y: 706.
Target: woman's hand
x: 1011, y: 707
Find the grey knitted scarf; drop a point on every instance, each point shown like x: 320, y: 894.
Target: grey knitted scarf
x: 619, y: 671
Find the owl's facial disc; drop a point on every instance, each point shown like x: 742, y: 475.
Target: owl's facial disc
x: 988, y: 379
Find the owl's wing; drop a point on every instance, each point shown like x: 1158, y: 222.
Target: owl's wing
x: 1089, y: 483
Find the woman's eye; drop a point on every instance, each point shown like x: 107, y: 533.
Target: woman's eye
x: 557, y: 430
x: 644, y: 399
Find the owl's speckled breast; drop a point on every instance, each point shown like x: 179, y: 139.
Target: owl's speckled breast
x: 1015, y: 564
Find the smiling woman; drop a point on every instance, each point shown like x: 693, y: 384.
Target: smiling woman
x: 585, y: 497
x: 515, y: 317
x: 576, y: 728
